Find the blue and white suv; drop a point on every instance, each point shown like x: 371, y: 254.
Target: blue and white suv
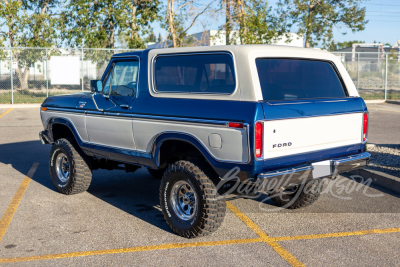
x: 281, y: 116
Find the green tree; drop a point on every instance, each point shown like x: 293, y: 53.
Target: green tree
x: 341, y: 45
x: 96, y: 23
x: 253, y: 21
x: 316, y: 18
x: 228, y: 7
x: 29, y: 24
x: 346, y: 44
x: 256, y: 23
x: 151, y: 37
x: 143, y: 12
x: 228, y: 21
x: 180, y: 17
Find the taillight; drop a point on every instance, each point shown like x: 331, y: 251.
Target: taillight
x: 365, y: 127
x: 236, y: 125
x: 258, y: 139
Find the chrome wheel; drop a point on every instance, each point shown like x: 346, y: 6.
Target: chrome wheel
x: 183, y: 200
x: 62, y: 167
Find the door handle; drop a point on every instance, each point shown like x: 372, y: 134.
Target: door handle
x: 124, y: 106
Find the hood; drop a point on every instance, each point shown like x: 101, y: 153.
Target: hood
x: 64, y: 101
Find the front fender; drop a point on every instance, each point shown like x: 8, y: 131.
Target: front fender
x: 54, y: 120
x: 64, y: 121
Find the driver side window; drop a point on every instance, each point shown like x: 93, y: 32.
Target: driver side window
x: 122, y: 79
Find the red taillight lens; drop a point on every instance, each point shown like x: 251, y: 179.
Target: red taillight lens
x: 258, y: 139
x: 365, y: 127
x: 236, y: 125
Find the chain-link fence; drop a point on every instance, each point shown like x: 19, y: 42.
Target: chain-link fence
x: 376, y: 75
x: 29, y: 75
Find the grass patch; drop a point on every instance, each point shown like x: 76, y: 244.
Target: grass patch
x: 391, y: 95
x: 25, y: 96
x: 375, y: 96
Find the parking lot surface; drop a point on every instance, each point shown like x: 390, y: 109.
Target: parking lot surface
x: 119, y: 220
x: 384, y: 124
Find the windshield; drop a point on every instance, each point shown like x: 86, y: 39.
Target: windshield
x: 291, y: 79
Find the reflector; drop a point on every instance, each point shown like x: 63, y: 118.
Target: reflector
x: 258, y: 135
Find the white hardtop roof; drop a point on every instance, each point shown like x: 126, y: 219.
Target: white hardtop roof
x: 241, y: 49
x: 247, y: 81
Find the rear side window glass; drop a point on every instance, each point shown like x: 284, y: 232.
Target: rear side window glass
x: 290, y: 79
x: 207, y: 73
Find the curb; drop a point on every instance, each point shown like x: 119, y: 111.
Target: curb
x: 374, y: 101
x: 20, y: 105
x: 380, y: 178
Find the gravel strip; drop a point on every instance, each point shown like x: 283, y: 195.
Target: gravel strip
x: 385, y: 158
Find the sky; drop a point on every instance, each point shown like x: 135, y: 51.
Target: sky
x: 383, y: 25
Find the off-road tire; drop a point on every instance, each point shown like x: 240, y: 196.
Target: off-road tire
x: 80, y: 172
x: 310, y: 192
x: 210, y: 211
x: 158, y: 174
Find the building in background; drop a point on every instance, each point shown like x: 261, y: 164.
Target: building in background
x: 218, y: 37
x: 397, y: 44
x: 371, y: 52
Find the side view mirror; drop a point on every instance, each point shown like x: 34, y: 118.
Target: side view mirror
x: 96, y: 86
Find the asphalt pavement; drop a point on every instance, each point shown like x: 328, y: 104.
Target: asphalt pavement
x: 118, y: 221
x: 384, y: 124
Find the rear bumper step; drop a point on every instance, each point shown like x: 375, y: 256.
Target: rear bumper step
x: 302, y: 174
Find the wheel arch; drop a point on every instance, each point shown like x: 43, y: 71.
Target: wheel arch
x: 196, y: 149
x: 56, y: 124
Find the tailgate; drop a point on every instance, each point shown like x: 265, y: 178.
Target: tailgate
x: 294, y: 136
x: 304, y: 127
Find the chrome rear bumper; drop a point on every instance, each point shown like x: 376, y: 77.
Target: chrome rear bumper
x: 350, y: 163
x: 302, y: 174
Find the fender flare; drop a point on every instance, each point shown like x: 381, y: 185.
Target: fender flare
x: 57, y: 120
x: 221, y: 167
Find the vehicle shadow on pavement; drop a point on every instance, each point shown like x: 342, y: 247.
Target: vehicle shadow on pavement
x: 22, y: 155
x: 138, y: 193
x: 346, y: 194
x: 134, y: 193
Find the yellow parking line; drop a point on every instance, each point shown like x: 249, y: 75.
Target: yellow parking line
x: 271, y: 241
x: 1, y: 115
x: 132, y: 249
x: 264, y: 237
x: 284, y: 253
x: 384, y: 109
x: 340, y: 234
x: 246, y: 220
x: 12, y: 208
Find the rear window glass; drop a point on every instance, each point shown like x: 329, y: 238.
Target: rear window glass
x: 211, y: 73
x: 290, y: 79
